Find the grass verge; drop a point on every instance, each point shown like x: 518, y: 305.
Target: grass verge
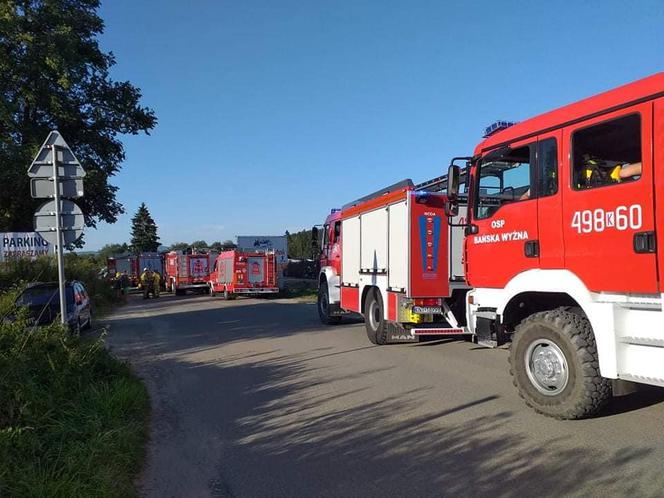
x: 73, y: 419
x: 301, y: 289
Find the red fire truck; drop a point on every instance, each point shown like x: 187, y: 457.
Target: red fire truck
x: 244, y: 273
x: 561, y: 247
x: 392, y: 257
x: 185, y: 271
x: 133, y: 264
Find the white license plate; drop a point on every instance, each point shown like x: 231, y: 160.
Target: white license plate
x: 434, y: 310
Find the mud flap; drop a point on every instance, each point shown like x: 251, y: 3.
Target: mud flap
x: 335, y: 310
x: 489, y: 332
x: 398, y: 334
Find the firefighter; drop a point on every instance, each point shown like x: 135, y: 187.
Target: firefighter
x: 599, y: 172
x: 147, y: 282
x: 124, y: 283
x: 156, y: 279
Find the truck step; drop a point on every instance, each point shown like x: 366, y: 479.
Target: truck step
x: 643, y: 341
x: 438, y: 331
x: 641, y: 363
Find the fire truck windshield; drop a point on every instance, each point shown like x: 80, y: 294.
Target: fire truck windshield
x: 503, y: 178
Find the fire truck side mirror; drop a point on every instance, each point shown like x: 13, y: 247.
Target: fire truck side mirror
x: 451, y: 209
x: 453, y: 177
x: 314, y: 240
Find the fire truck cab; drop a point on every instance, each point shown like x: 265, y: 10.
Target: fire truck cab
x: 561, y: 246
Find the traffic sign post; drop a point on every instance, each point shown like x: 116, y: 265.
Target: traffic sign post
x: 58, y: 238
x: 56, y: 173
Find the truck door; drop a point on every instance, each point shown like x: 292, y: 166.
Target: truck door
x: 504, y: 213
x: 608, y: 209
x: 549, y: 200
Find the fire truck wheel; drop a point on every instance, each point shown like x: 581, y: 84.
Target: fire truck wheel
x: 554, y: 365
x: 324, y: 306
x: 374, y: 318
x: 228, y: 296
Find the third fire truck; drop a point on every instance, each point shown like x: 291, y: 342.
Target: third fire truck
x: 188, y: 271
x: 245, y: 273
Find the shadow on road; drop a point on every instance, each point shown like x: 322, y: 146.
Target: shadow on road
x: 271, y: 423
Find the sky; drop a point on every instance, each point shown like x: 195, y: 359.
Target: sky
x: 272, y: 112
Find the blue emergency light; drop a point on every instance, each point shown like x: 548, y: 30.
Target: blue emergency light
x: 497, y: 126
x: 334, y: 210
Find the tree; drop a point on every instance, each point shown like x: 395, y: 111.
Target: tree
x: 179, y: 246
x: 227, y: 245
x: 53, y: 75
x: 144, y: 231
x: 299, y: 244
x: 199, y: 244
x: 110, y: 250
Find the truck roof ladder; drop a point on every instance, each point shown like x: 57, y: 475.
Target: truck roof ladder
x: 406, y: 184
x: 439, y: 183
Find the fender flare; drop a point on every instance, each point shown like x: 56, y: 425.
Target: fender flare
x: 599, y: 314
x: 332, y: 278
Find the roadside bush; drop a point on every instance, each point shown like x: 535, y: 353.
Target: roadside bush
x: 302, y: 269
x: 73, y: 420
x: 17, y: 273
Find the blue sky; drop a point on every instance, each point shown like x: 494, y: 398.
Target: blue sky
x: 272, y: 112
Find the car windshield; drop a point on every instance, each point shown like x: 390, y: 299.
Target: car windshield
x: 43, y: 296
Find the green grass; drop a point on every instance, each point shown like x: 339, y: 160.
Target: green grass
x: 301, y: 289
x: 73, y: 419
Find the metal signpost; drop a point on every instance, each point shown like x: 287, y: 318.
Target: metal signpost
x: 55, y: 173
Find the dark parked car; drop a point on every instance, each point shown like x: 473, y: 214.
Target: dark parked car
x: 43, y: 303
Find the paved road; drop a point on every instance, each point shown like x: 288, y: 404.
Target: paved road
x: 255, y: 398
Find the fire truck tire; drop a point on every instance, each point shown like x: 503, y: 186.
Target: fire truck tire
x: 554, y: 365
x: 324, y: 306
x: 374, y: 318
x: 228, y: 296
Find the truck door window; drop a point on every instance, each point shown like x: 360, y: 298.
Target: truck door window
x: 606, y: 154
x: 337, y: 230
x: 503, y: 178
x: 547, y: 167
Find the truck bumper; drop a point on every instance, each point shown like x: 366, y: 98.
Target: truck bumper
x: 257, y: 290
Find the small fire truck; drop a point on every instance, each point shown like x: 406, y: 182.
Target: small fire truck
x: 392, y: 257
x: 561, y: 247
x: 244, y: 273
x: 188, y: 271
